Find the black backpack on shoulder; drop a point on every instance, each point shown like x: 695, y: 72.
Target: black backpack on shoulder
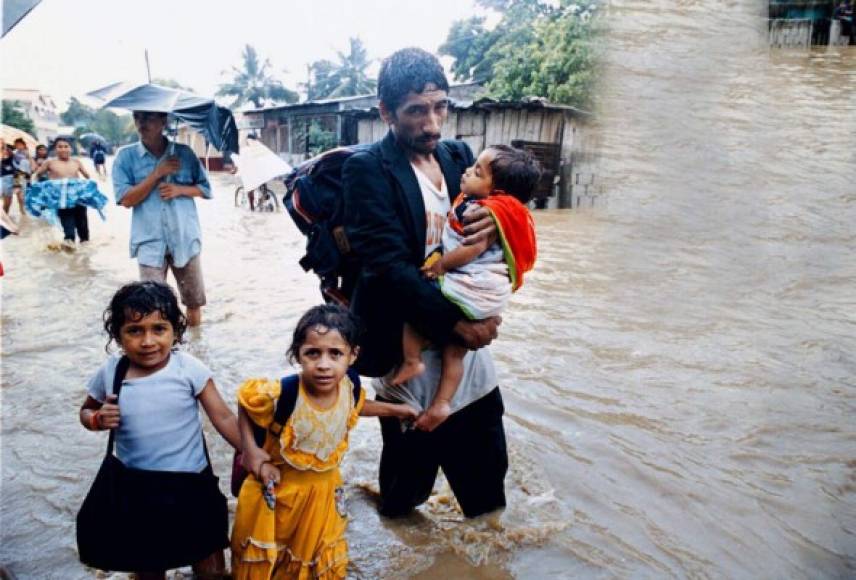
x: 315, y: 201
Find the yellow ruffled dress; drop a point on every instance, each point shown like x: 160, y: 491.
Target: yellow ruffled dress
x: 304, y: 537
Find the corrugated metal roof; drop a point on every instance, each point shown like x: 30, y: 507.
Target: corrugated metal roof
x: 527, y: 103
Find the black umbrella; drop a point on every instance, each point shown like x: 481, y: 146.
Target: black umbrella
x: 216, y: 123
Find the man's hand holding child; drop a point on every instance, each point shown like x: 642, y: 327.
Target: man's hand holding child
x: 434, y: 270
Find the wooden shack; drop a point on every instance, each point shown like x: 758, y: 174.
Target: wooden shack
x: 556, y: 134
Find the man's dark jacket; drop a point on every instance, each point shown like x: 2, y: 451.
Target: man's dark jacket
x: 385, y: 226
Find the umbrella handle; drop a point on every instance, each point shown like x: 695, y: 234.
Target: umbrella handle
x: 172, y: 150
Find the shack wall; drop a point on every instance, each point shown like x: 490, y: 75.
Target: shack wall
x: 481, y: 127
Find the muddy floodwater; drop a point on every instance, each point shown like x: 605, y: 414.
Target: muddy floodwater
x: 679, y: 371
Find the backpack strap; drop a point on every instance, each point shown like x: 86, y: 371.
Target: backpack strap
x: 289, y: 387
x: 355, y: 380
x: 118, y: 377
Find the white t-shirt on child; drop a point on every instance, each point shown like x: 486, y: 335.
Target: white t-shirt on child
x: 160, y: 428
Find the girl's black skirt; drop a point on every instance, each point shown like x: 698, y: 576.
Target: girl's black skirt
x: 140, y: 520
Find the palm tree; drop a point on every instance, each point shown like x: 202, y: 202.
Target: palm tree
x: 347, y: 78
x: 253, y: 84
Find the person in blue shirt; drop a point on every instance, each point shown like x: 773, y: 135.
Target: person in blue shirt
x: 159, y: 179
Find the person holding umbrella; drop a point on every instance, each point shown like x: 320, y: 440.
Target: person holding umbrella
x: 159, y: 179
x: 98, y: 154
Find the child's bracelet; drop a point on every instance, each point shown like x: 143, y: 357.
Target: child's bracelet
x: 95, y: 421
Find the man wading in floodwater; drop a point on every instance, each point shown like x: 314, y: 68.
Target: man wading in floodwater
x: 159, y: 179
x: 397, y: 195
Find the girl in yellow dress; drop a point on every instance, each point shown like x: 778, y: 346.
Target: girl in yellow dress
x: 290, y: 520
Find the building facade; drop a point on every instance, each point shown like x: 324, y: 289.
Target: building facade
x: 41, y: 108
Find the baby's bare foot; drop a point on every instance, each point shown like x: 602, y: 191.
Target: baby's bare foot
x: 407, y: 371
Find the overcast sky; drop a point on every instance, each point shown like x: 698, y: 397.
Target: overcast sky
x: 68, y: 48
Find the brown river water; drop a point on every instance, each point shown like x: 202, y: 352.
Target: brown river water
x: 679, y: 371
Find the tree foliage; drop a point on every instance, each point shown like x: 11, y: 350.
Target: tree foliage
x: 252, y: 83
x: 117, y: 129
x: 77, y: 113
x: 536, y: 49
x: 319, y: 140
x: 346, y: 78
x: 16, y: 116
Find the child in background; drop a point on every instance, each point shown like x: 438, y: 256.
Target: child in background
x: 23, y: 169
x: 156, y: 418
x: 40, y: 159
x: 7, y: 174
x: 99, y: 157
x: 301, y: 532
x: 479, y: 278
x: 64, y: 193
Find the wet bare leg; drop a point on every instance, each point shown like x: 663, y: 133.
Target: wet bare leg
x: 194, y: 316
x: 412, y: 366
x: 20, y: 195
x: 450, y: 379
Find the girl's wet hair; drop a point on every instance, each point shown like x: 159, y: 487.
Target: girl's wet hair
x: 329, y: 317
x: 137, y: 300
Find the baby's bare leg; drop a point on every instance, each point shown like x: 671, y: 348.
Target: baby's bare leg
x: 450, y: 380
x: 412, y: 365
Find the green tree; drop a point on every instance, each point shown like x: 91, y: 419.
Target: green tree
x: 16, y: 116
x: 322, y: 80
x: 117, y: 129
x: 536, y: 49
x: 318, y: 140
x: 251, y: 83
x: 346, y: 78
x: 77, y: 113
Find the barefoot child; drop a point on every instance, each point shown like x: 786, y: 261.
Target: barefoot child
x: 158, y: 429
x: 64, y: 193
x: 298, y: 531
x: 479, y: 278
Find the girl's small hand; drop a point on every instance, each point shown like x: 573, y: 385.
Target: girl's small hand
x: 268, y: 472
x: 406, y: 412
x: 252, y: 459
x: 109, y: 416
